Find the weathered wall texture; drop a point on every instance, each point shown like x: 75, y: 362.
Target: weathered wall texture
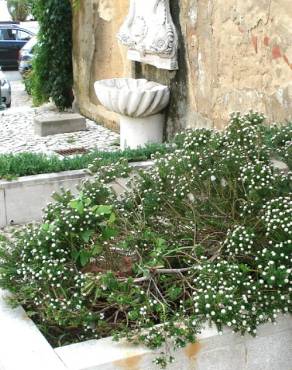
x: 234, y: 55
x: 96, y: 53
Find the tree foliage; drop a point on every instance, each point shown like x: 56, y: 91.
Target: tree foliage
x: 52, y: 75
x: 19, y: 9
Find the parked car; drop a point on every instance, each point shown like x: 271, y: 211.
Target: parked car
x: 12, y: 39
x: 26, y: 55
x: 5, y: 90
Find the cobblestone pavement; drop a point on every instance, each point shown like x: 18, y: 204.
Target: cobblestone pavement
x: 19, y: 97
x: 17, y: 135
x: 17, y: 131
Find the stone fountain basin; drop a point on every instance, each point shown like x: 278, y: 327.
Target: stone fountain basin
x: 137, y: 98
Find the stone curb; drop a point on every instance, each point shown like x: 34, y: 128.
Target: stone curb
x: 22, y: 200
x: 22, y: 346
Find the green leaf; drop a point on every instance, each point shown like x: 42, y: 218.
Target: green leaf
x: 160, y: 242
x: 174, y: 292
x: 77, y: 204
x: 98, y: 294
x: 86, y: 235
x: 244, y: 268
x: 75, y: 254
x: 103, y: 210
x: 109, y: 233
x: 112, y: 218
x: 87, y: 202
x: 84, y: 257
x: 96, y: 250
x: 45, y: 227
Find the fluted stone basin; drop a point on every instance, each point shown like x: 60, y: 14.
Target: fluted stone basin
x: 139, y: 103
x: 132, y: 97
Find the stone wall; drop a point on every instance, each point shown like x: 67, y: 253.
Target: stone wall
x: 234, y: 55
x: 97, y: 54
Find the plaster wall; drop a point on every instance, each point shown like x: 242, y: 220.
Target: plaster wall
x: 233, y: 55
x: 97, y: 54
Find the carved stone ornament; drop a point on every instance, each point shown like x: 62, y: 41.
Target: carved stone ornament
x: 150, y: 34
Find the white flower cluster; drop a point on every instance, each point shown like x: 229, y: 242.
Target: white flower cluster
x: 257, y: 176
x: 282, y: 140
x: 107, y: 172
x: 277, y: 216
x: 239, y: 241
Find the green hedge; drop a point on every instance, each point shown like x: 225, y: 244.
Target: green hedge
x: 52, y: 66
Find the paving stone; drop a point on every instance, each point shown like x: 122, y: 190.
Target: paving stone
x: 17, y: 135
x: 17, y: 129
x: 58, y: 123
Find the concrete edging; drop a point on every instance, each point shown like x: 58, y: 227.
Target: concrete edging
x: 270, y: 350
x: 22, y: 346
x: 22, y: 200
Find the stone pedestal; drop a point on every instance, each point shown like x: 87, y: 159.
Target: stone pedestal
x: 137, y: 132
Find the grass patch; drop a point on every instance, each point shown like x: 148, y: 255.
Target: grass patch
x: 25, y: 164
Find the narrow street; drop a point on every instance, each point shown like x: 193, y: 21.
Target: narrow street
x: 20, y: 99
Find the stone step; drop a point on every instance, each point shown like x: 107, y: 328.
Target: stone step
x: 58, y: 123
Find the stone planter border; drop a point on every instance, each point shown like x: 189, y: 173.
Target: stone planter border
x: 22, y: 200
x: 24, y: 347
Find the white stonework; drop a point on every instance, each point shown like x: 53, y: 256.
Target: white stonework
x: 136, y: 132
x: 150, y: 34
x: 270, y: 350
x: 139, y: 102
x: 132, y: 97
x: 33, y: 193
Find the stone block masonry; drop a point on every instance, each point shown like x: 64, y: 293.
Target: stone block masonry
x: 268, y: 351
x: 53, y: 124
x: 22, y: 346
x: 22, y: 200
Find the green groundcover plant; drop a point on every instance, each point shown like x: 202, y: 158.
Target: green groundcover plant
x: 25, y: 164
x: 203, y: 236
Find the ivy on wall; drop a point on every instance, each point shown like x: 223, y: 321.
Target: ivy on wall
x: 52, y: 75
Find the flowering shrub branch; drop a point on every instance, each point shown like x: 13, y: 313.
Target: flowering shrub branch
x: 203, y: 236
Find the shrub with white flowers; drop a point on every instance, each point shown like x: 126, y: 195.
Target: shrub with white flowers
x: 202, y: 236
x: 281, y: 142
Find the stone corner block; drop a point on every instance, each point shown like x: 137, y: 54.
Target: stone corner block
x: 2, y: 209
x: 53, y: 124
